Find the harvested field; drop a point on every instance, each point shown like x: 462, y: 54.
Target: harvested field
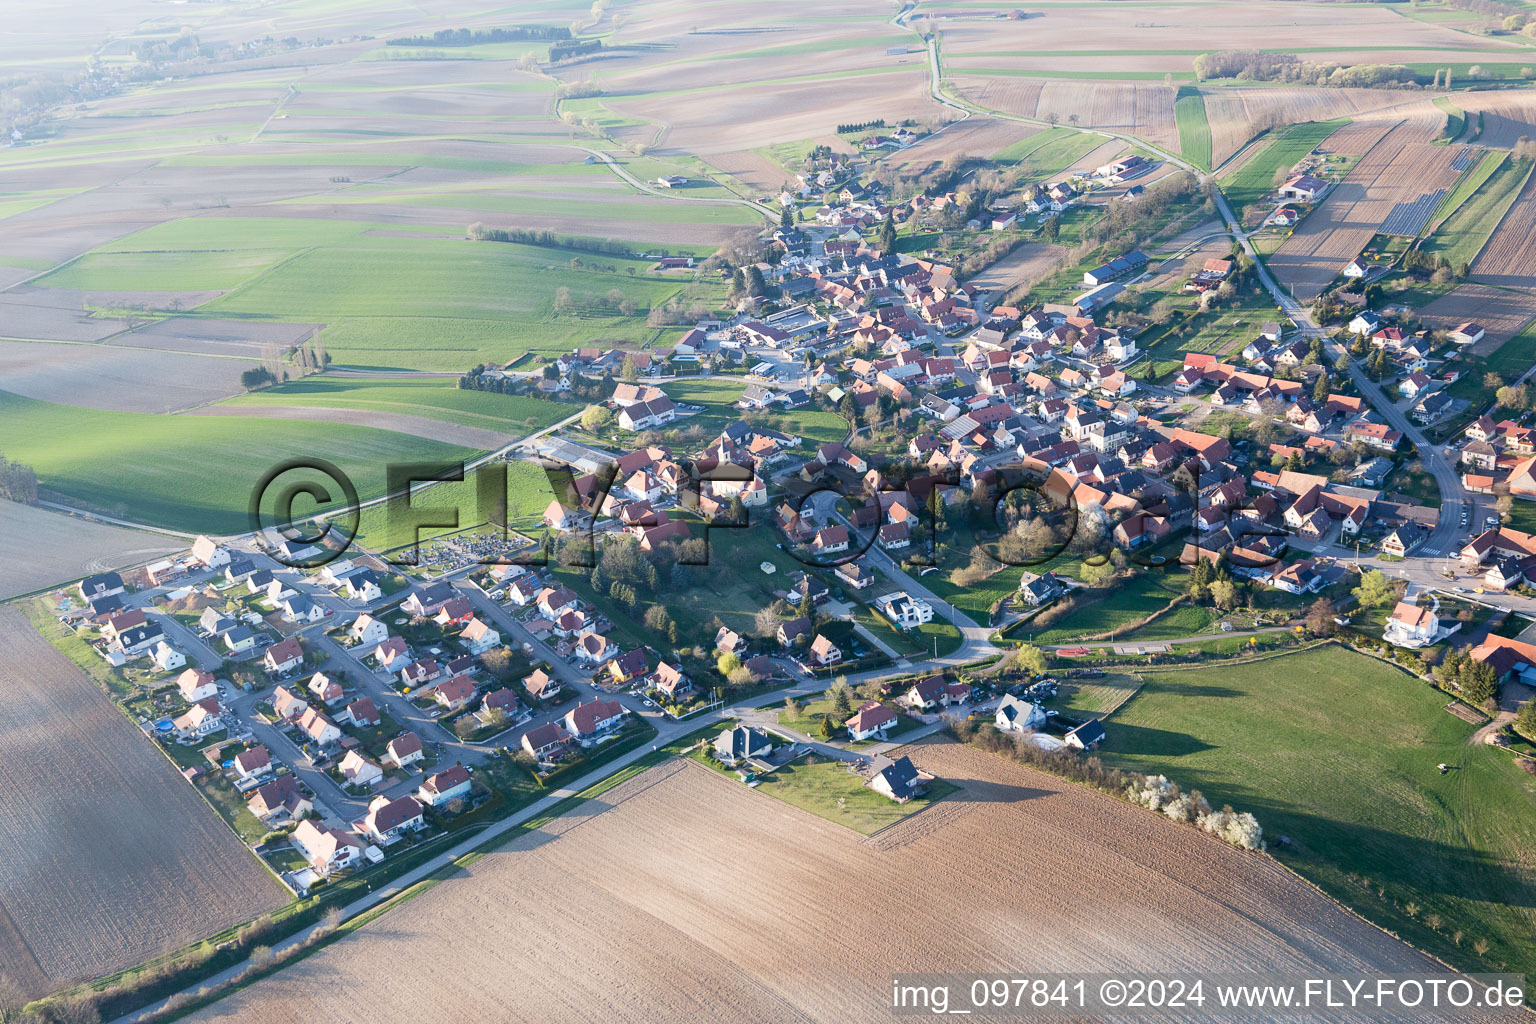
x: 1143, y: 109
x: 1509, y: 258
x: 113, y: 377
x: 1506, y: 116
x: 39, y: 548
x: 108, y: 857
x: 1238, y: 113
x: 1503, y: 314
x: 977, y: 136
x: 732, y: 118
x: 1103, y: 37
x: 615, y: 911
x: 1395, y: 170
x: 1029, y: 263
x: 417, y: 426
x: 752, y: 169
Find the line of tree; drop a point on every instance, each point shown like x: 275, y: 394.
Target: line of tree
x: 17, y: 482
x: 1258, y: 66
x: 549, y: 240
x: 613, y: 302
x: 478, y: 380
x: 862, y: 126
x: 574, y: 48
x: 468, y: 37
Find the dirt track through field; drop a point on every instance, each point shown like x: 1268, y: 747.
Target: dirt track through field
x: 417, y: 426
x: 683, y: 896
x: 107, y: 856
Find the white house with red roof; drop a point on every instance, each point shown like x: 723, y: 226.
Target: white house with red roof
x: 449, y: 784
x: 590, y: 722
x: 283, y: 657
x: 388, y: 820
x: 872, y: 720
x: 327, y: 849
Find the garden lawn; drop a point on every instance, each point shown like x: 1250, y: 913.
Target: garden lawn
x: 1338, y: 751
x: 194, y: 474
x: 1125, y: 602
x: 1093, y: 696
x: 438, y: 399
x: 818, y: 788
x: 718, y: 398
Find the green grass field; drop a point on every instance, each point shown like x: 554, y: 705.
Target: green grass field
x: 1135, y: 598
x: 1469, y: 184
x: 1464, y: 233
x: 1049, y: 151
x: 718, y: 397
x: 1455, y: 119
x: 434, y: 398
x: 185, y: 472
x: 1338, y: 751
x: 404, y: 300
x: 384, y: 527
x: 828, y: 790
x: 1251, y: 180
x: 1194, y: 128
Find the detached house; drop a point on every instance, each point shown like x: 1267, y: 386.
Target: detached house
x: 328, y: 850
x: 478, y: 637
x: 451, y: 784
x: 872, y: 720
x: 404, y: 750
x: 590, y: 722
x: 368, y: 631
x: 195, y: 685
x: 388, y: 820
x: 283, y: 657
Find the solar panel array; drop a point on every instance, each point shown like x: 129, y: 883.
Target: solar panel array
x: 1409, y: 219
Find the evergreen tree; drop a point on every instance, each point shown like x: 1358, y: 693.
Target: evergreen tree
x: 827, y: 730
x: 1321, y: 389
x: 888, y: 234
x: 1479, y: 683
x: 841, y: 706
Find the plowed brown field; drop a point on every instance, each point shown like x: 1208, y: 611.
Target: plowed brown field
x: 1397, y: 169
x: 1509, y: 258
x: 1503, y: 314
x: 684, y: 896
x: 107, y: 857
x: 1137, y: 108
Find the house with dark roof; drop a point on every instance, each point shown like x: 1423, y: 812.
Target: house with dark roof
x: 742, y: 742
x: 545, y: 743
x: 900, y: 781
x: 1086, y: 736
